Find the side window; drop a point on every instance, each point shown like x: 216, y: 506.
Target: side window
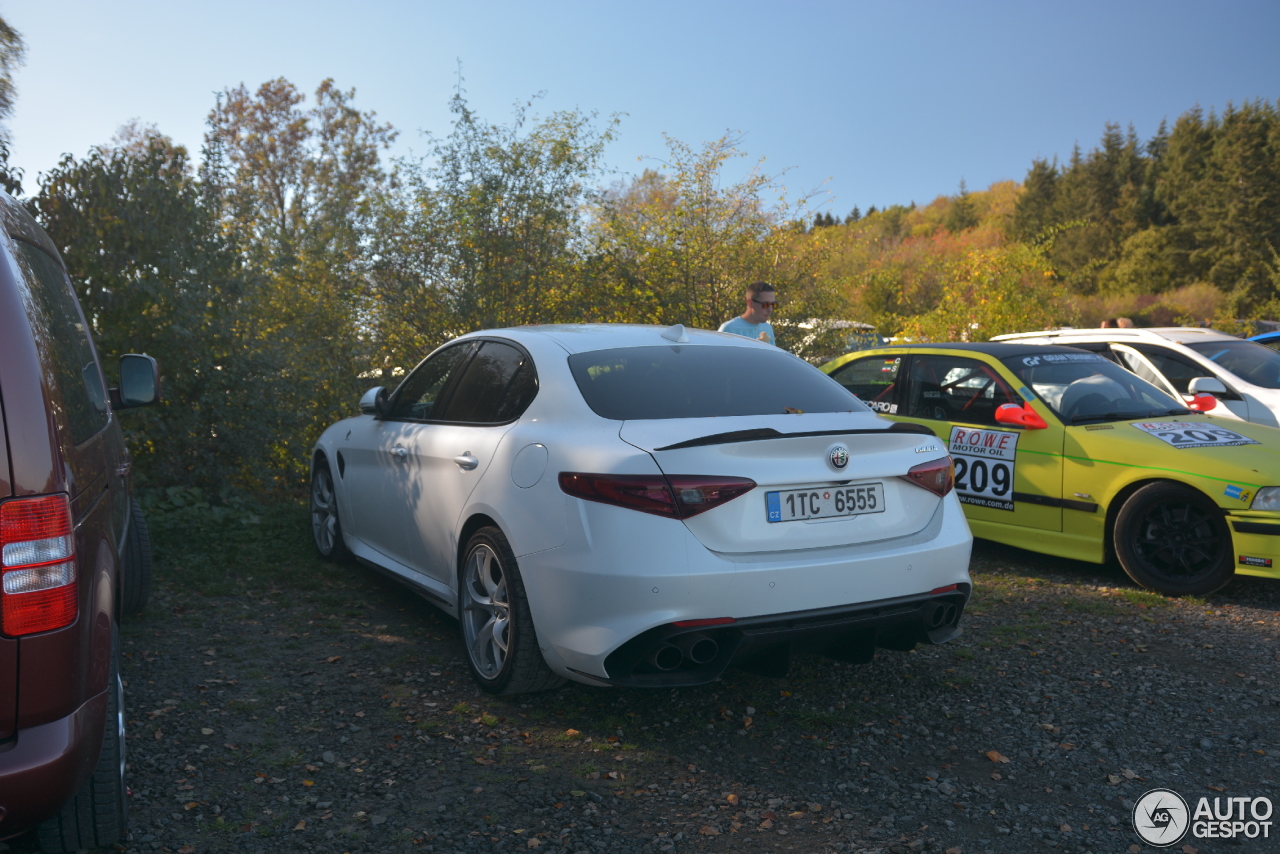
x: 64, y: 344
x: 954, y: 388
x: 417, y: 396
x: 1177, y: 370
x: 495, y: 386
x: 874, y: 380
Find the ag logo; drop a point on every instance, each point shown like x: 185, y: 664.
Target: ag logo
x: 838, y: 456
x: 1031, y: 361
x: 1161, y: 818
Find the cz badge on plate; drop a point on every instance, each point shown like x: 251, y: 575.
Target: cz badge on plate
x: 795, y: 505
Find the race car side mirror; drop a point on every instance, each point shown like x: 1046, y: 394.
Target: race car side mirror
x: 1203, y: 402
x: 1022, y: 416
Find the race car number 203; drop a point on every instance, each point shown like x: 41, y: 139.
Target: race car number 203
x: 984, y: 461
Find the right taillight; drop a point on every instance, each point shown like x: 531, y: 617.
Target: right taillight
x: 937, y: 476
x: 679, y: 496
x: 37, y: 565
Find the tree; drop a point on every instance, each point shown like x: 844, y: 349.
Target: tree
x: 961, y: 214
x: 12, y: 51
x: 155, y: 275
x: 683, y: 244
x: 992, y: 292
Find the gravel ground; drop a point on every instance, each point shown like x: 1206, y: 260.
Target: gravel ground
x: 323, y: 708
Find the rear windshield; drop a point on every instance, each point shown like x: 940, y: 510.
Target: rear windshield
x: 1248, y: 360
x: 704, y: 382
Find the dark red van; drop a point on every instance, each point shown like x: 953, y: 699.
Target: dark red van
x: 74, y: 553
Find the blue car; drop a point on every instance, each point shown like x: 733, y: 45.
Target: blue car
x: 1270, y: 339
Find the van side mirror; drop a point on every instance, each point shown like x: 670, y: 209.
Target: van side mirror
x: 1022, y: 416
x: 139, y: 382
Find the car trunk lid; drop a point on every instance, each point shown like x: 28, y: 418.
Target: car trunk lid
x: 787, y: 453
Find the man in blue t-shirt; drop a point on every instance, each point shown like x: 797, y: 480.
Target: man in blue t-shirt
x: 754, y: 322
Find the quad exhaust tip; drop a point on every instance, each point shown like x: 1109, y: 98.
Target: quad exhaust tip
x: 695, y: 649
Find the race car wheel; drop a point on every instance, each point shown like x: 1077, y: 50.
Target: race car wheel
x: 1173, y: 540
x: 325, y: 526
x: 497, y: 628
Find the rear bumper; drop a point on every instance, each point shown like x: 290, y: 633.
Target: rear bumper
x: 671, y: 655
x: 43, y: 766
x: 610, y: 585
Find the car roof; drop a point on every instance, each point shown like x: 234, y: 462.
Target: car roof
x: 999, y: 349
x: 585, y: 337
x: 19, y: 224
x: 1177, y: 334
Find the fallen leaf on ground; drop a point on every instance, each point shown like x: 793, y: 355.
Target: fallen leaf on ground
x: 708, y: 830
x: 767, y: 823
x: 732, y: 799
x: 997, y: 756
x: 302, y: 825
x: 571, y: 732
x: 331, y: 659
x: 956, y: 850
x: 1066, y: 828
x: 187, y: 849
x: 1189, y: 849
x: 995, y: 775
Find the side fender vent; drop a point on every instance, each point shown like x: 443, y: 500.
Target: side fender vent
x: 342, y: 465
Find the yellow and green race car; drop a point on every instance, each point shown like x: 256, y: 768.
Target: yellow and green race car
x: 1062, y: 451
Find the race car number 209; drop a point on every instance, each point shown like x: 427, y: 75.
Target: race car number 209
x: 1190, y: 434
x: 984, y: 461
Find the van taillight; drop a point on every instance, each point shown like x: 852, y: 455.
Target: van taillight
x: 37, y: 565
x: 937, y: 476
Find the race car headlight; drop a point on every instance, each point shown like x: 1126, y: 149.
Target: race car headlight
x: 1268, y: 498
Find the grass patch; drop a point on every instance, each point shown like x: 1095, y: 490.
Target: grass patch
x: 1145, y: 598
x: 1092, y: 606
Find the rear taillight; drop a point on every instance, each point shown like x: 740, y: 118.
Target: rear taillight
x: 937, y: 476
x: 37, y: 565
x: 679, y: 496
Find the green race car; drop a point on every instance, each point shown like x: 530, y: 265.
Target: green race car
x: 1062, y: 451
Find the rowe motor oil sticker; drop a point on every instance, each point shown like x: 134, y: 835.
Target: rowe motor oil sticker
x: 984, y: 462
x: 1190, y: 434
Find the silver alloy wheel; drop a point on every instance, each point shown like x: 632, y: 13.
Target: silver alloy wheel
x: 324, y: 511
x: 486, y: 611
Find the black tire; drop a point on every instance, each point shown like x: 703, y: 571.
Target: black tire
x: 1172, y: 539
x: 497, y: 628
x: 137, y: 562
x: 326, y: 527
x: 98, y: 815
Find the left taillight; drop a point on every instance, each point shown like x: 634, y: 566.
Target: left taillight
x: 678, y: 496
x: 37, y: 565
x: 937, y: 476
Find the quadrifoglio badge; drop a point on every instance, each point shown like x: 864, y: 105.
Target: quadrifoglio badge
x: 1162, y: 818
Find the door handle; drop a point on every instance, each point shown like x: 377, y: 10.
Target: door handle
x: 399, y: 451
x: 466, y: 462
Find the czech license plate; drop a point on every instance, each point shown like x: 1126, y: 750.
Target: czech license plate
x: 793, y: 505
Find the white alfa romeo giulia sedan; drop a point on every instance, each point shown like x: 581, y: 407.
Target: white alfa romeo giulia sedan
x: 639, y: 506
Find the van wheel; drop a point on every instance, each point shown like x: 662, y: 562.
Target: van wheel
x: 1173, y: 540
x: 497, y: 627
x: 98, y: 815
x: 137, y: 562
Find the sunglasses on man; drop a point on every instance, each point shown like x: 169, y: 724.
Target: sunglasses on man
x: 762, y: 304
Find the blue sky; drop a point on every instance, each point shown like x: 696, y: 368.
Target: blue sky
x: 876, y: 103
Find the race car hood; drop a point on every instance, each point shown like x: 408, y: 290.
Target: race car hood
x: 1222, y: 452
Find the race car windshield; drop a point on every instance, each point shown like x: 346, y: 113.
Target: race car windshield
x: 1248, y: 360
x: 1081, y: 387
x: 704, y: 382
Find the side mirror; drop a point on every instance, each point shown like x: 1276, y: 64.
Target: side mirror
x: 1022, y: 416
x: 1203, y: 402
x: 139, y: 382
x: 369, y: 402
x: 1207, y: 385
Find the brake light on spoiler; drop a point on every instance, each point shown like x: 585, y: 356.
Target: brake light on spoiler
x: 37, y: 565
x: 678, y: 496
x: 937, y: 476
